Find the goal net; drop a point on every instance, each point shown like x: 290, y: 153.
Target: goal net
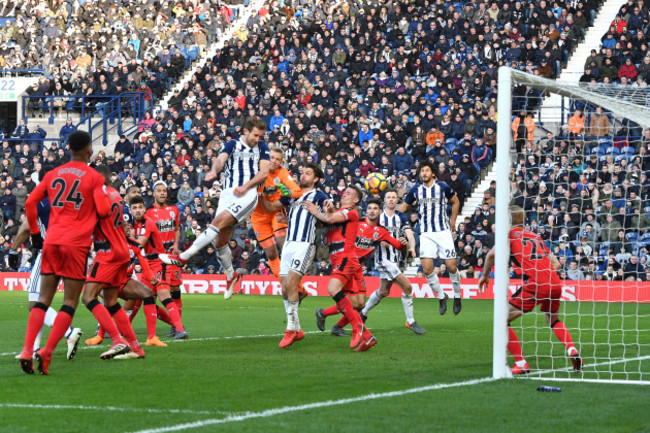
x: 577, y: 159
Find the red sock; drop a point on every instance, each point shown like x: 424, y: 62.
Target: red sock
x: 563, y: 334
x: 104, y: 318
x: 345, y: 307
x: 513, y: 345
x: 343, y: 322
x: 123, y: 324
x: 101, y: 332
x: 174, y: 315
x: 61, y: 324
x: 331, y: 311
x: 34, y: 325
x: 136, y: 308
x: 151, y: 316
x: 162, y: 315
x: 179, y: 306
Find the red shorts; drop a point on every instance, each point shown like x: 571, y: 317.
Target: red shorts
x: 173, y: 275
x: 163, y: 273
x: 64, y: 261
x: 349, y: 272
x: 531, y: 294
x: 108, y: 274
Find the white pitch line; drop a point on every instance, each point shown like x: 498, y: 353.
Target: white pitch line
x: 287, y: 409
x: 189, y: 340
x: 598, y: 364
x: 109, y: 408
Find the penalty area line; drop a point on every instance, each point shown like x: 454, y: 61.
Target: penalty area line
x: 329, y: 403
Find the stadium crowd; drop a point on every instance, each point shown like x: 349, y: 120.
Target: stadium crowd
x: 355, y: 87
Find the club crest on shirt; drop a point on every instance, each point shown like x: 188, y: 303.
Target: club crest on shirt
x: 375, y: 235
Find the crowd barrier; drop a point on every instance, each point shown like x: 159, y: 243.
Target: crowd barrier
x: 585, y: 291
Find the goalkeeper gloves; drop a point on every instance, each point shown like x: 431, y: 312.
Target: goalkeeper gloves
x: 286, y: 192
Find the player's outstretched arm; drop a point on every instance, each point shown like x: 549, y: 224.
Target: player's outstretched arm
x: 328, y: 218
x: 217, y: 166
x: 485, y: 278
x: 404, y: 207
x: 294, y: 188
x: 270, y: 206
x: 408, y: 232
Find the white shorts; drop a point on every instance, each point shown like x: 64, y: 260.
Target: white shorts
x: 387, y: 270
x: 34, y: 284
x: 296, y: 257
x: 240, y: 208
x: 435, y: 245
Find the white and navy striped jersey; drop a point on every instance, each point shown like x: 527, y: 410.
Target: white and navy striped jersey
x: 243, y: 162
x: 395, y: 224
x: 302, y: 224
x: 43, y: 212
x: 432, y: 205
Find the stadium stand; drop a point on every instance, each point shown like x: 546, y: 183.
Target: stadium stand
x: 354, y: 87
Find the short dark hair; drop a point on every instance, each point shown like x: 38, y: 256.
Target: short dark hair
x: 254, y: 122
x: 318, y: 172
x: 429, y: 164
x: 374, y: 201
x: 387, y: 190
x: 45, y: 168
x: 78, y: 140
x: 357, y: 190
x: 138, y: 199
x: 104, y: 171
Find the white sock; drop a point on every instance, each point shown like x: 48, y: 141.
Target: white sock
x: 293, y: 322
x: 455, y: 283
x: 286, y: 306
x: 201, y: 242
x: 434, y: 283
x: 37, y: 342
x: 50, y: 315
x: 372, y: 302
x: 128, y: 313
x: 225, y: 257
x: 407, y: 303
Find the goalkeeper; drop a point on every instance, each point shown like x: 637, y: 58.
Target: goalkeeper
x: 542, y: 285
x: 269, y: 217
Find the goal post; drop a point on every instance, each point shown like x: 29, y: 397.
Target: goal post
x: 607, y: 315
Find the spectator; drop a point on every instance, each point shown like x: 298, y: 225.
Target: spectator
x: 8, y: 205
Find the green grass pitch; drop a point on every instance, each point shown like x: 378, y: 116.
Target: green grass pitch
x: 231, y: 377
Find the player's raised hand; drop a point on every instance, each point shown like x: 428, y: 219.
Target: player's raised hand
x: 284, y: 190
x: 310, y: 207
x: 328, y: 206
x: 210, y: 175
x: 403, y: 241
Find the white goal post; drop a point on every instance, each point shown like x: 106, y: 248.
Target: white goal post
x: 610, y: 328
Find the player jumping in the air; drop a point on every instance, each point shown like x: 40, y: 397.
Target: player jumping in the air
x: 436, y: 238
x: 542, y: 285
x: 245, y: 162
x: 387, y: 261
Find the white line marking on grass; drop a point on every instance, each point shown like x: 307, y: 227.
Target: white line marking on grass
x: 287, y: 409
x: 189, y: 340
x: 598, y: 364
x: 110, y: 408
